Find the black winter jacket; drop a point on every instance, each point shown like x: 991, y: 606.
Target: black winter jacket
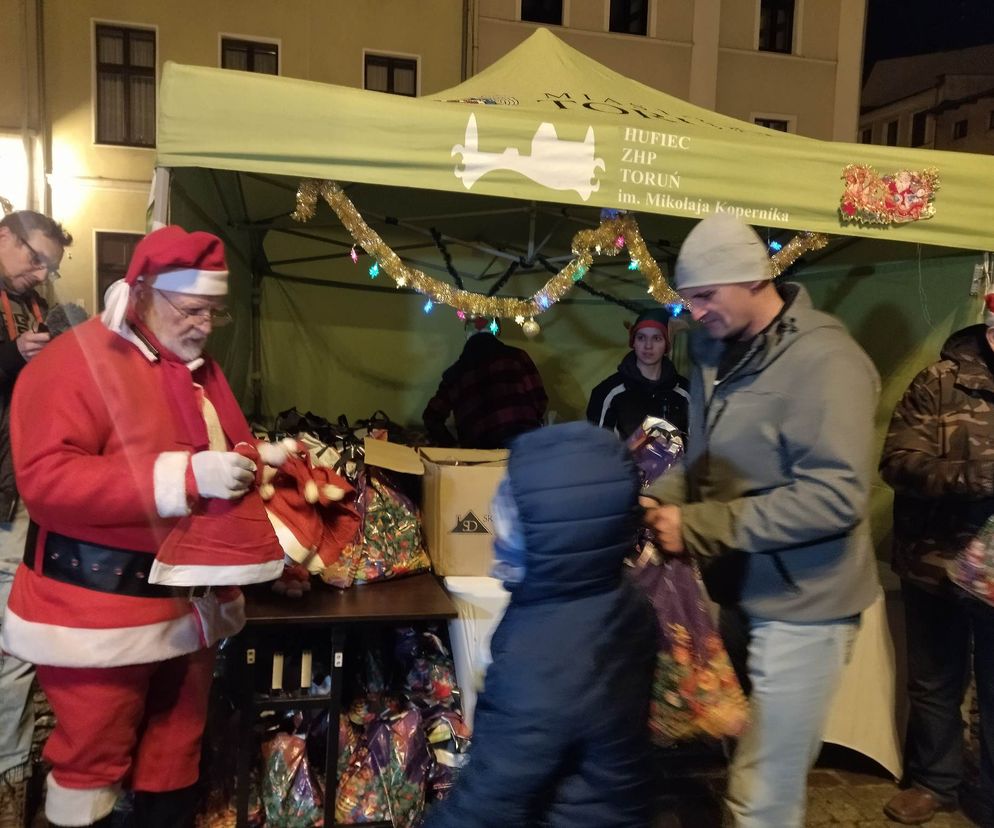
x: 626, y: 398
x: 560, y: 733
x: 11, y: 363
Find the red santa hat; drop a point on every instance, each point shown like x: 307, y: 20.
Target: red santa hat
x: 170, y: 259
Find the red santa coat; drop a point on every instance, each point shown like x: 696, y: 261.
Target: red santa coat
x: 100, y: 448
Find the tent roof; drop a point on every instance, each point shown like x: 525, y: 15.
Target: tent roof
x: 548, y: 124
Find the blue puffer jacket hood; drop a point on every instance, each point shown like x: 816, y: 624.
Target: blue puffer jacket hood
x: 576, y: 489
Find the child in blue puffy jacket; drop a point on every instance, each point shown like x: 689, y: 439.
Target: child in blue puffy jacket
x: 560, y: 733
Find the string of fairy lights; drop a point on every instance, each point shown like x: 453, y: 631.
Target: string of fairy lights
x: 616, y: 233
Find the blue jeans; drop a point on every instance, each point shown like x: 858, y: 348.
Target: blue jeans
x: 940, y: 628
x: 794, y: 670
x: 16, y: 706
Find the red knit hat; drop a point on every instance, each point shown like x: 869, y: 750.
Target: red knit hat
x: 655, y: 318
x: 989, y: 310
x: 172, y: 260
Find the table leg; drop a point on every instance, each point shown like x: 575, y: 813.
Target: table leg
x: 246, y: 725
x: 334, y: 714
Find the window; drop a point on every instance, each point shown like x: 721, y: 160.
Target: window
x: 959, y: 130
x: 114, y: 251
x: 543, y: 11
x: 918, y: 122
x: 776, y: 26
x: 125, y: 61
x: 630, y: 16
x: 250, y: 56
x: 990, y: 120
x: 866, y: 135
x: 892, y: 133
x: 779, y: 124
x: 385, y: 73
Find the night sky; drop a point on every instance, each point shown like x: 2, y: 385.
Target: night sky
x: 897, y: 28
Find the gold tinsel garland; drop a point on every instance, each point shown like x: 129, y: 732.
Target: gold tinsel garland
x: 793, y: 250
x: 609, y: 239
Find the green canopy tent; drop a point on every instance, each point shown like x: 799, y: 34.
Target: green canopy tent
x: 486, y: 184
x: 499, y: 173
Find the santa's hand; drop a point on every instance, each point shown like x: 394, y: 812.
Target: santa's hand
x: 223, y: 474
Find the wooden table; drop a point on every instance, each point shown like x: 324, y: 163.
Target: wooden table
x: 329, y: 612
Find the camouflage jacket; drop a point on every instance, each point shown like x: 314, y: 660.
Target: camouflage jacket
x: 939, y: 458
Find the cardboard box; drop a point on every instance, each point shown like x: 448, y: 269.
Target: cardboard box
x: 459, y: 485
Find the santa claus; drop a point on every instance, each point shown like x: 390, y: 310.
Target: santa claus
x: 139, y: 472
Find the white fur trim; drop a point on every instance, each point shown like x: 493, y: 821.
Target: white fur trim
x: 196, y: 575
x: 169, y: 484
x: 116, y: 299
x: 293, y: 548
x: 78, y: 806
x: 275, y: 454
x: 59, y: 646
x: 192, y: 280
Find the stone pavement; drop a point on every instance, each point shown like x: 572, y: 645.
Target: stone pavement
x: 845, y: 790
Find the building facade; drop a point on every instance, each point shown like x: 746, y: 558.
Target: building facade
x: 942, y: 101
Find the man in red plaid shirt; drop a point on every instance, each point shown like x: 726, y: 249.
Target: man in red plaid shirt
x: 493, y: 391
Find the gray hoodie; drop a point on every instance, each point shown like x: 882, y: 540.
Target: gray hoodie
x: 776, y: 481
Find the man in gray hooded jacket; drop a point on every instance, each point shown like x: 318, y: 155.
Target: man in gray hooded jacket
x: 772, y: 501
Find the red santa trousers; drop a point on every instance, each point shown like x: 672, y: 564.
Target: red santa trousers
x: 138, y: 725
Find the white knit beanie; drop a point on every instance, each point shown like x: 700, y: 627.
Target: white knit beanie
x: 721, y: 250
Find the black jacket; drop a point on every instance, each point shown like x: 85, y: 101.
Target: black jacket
x: 626, y: 398
x: 560, y: 733
x: 11, y: 363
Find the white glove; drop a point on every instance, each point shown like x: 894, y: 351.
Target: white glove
x: 223, y: 474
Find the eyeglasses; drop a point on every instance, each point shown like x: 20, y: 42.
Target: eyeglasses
x: 218, y: 316
x: 38, y: 261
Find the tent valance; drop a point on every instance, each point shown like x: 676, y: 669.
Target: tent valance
x: 546, y: 123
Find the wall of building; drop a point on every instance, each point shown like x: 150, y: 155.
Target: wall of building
x: 979, y: 134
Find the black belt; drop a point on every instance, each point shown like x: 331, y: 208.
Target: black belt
x: 101, y: 568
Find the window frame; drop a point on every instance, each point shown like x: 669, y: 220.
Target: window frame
x: 956, y: 133
x: 251, y: 41
x: 767, y: 123
x: 141, y: 71
x: 897, y: 132
x: 98, y: 237
x: 792, y: 28
x: 782, y: 117
x: 391, y: 57
x: 562, y: 15
x: 646, y: 4
x: 919, y: 118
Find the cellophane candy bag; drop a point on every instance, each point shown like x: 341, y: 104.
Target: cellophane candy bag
x: 291, y: 797
x: 973, y: 568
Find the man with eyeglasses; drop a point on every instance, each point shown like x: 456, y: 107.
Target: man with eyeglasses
x: 142, y: 442
x: 31, y: 247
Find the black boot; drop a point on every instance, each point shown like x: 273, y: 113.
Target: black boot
x: 169, y: 809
